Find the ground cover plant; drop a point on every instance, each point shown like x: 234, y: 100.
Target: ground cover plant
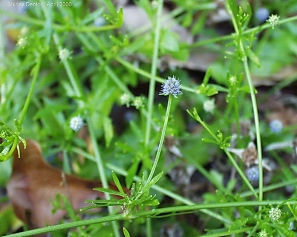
x: 183, y: 111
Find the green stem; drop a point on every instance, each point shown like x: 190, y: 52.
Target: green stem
x: 257, y: 126
x: 66, y: 165
x: 173, y: 195
x: 234, y: 163
x: 70, y: 72
x: 246, y: 32
x: 242, y: 175
x: 153, y: 72
x: 161, y: 140
x: 79, y: 93
x: 148, y: 75
x: 59, y: 28
x: 101, y: 171
x: 244, y: 58
x: 30, y: 94
x: 156, y: 213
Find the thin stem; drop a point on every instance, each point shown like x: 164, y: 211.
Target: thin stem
x: 79, y: 92
x: 101, y: 171
x: 2, y: 53
x: 66, y: 165
x: 161, y: 140
x: 242, y: 175
x: 173, y: 195
x: 31, y: 91
x: 197, y: 117
x: 57, y: 27
x: 244, y: 58
x: 257, y: 125
x: 246, y: 32
x: 70, y: 72
x: 157, y: 213
x: 153, y: 72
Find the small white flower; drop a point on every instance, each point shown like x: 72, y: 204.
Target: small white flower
x: 209, y: 105
x: 276, y: 126
x: 275, y: 213
x: 76, y: 123
x: 263, y: 233
x: 125, y: 99
x: 155, y: 3
x: 233, y: 80
x: 22, y: 42
x: 138, y: 102
x: 64, y: 54
x: 273, y: 20
x: 24, y: 31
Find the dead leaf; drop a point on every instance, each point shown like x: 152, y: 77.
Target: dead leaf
x: 34, y: 184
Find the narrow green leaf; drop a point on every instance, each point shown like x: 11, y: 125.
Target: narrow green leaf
x: 131, y: 173
x: 117, y: 183
x: 111, y: 8
x: 120, y: 18
x: 233, y: 9
x: 253, y: 57
x: 112, y: 192
x: 209, y: 140
x: 207, y: 76
x: 194, y: 114
x: 108, y: 130
x: 152, y: 182
x: 104, y: 203
x: 126, y: 233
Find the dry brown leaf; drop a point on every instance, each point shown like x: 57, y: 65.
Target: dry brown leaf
x: 34, y: 184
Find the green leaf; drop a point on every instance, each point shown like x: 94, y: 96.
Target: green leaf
x: 111, y: 7
x: 233, y: 9
x: 112, y: 192
x: 208, y: 140
x: 108, y: 130
x: 18, y: 125
x: 169, y: 41
x: 126, y: 233
x: 194, y: 114
x: 152, y: 182
x: 131, y: 173
x: 117, y: 182
x: 104, y: 203
x: 252, y: 56
x: 120, y: 18
x: 207, y: 76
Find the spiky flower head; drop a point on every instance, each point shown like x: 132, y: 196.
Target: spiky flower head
x: 76, y: 123
x: 273, y: 20
x: 171, y: 87
x: 275, y: 213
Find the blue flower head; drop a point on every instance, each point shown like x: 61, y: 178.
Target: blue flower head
x: 276, y: 126
x: 252, y: 173
x: 171, y: 87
